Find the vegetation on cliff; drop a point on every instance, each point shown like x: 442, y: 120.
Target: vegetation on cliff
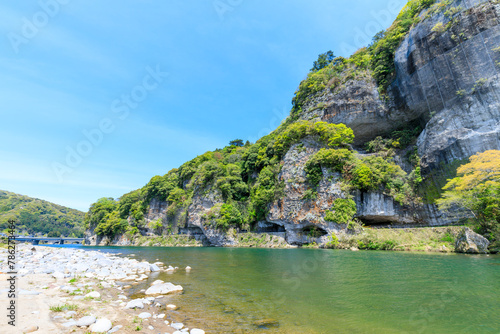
x: 376, y: 61
x: 477, y: 189
x: 33, y: 216
x: 245, y: 176
x: 242, y: 180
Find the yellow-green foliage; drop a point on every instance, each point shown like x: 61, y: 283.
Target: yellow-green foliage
x: 167, y: 241
x: 330, y: 158
x: 477, y: 189
x: 333, y: 242
x: 399, y: 239
x: 342, y: 212
x: 333, y: 135
x: 156, y: 224
x: 366, y: 173
x: 339, y: 71
x: 439, y: 28
x: 111, y: 225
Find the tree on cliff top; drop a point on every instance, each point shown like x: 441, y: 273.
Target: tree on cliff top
x: 323, y: 60
x: 477, y: 189
x: 236, y: 142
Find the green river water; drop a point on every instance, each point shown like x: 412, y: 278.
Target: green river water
x: 329, y: 291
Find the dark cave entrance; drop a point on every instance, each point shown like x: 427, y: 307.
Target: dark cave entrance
x: 313, y: 231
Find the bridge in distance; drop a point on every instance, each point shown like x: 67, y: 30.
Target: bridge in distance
x: 60, y: 241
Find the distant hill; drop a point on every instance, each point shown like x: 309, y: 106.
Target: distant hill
x: 34, y: 215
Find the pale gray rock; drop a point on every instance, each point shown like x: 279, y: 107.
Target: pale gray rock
x: 196, y: 331
x: 135, y: 303
x: 101, y: 325
x: 86, y: 321
x: 177, y: 325
x: 115, y: 329
x: 163, y: 289
x: 471, y: 242
x: 69, y: 324
x: 93, y: 294
x: 58, y: 275
x: 28, y: 292
x: 144, y: 315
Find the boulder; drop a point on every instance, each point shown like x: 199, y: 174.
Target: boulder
x: 144, y: 315
x: 136, y: 303
x: 115, y: 329
x: 93, y: 294
x: 86, y: 321
x: 471, y: 242
x: 101, y: 326
x: 177, y: 325
x: 163, y: 289
x: 58, y: 275
x: 197, y: 331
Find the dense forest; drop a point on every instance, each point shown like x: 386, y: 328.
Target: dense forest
x: 34, y: 216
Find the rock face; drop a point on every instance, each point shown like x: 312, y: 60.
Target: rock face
x: 375, y: 207
x: 357, y: 104
x: 301, y: 218
x: 202, y: 203
x: 451, y: 75
x: 471, y: 242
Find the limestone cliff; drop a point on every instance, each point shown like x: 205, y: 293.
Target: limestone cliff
x: 445, y: 79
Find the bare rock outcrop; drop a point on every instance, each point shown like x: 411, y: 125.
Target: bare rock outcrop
x: 448, y: 72
x: 471, y: 242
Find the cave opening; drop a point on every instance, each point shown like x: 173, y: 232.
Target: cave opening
x: 270, y: 228
x: 314, y: 231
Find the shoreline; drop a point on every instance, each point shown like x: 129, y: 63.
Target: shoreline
x: 71, y: 290
x: 440, y: 239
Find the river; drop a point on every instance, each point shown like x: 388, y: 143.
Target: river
x: 229, y: 290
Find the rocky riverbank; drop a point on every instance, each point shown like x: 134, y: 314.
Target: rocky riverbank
x: 64, y: 290
x: 445, y: 239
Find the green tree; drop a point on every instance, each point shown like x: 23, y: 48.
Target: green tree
x: 54, y: 234
x: 98, y: 211
x: 342, y: 212
x: 477, y: 189
x: 323, y: 60
x: 236, y: 142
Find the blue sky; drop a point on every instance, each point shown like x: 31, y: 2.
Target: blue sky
x: 153, y: 83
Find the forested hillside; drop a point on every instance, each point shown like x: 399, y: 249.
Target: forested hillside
x: 34, y: 216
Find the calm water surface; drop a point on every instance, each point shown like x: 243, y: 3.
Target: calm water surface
x: 325, y: 291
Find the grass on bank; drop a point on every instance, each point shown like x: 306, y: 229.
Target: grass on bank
x: 64, y: 307
x: 167, y: 241
x: 436, y: 239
